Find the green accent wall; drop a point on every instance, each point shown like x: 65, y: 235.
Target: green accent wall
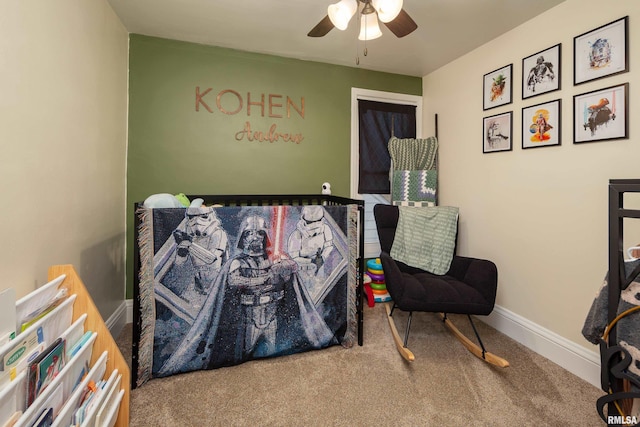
x: 175, y: 148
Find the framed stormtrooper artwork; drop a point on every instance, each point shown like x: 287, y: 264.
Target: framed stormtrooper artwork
x: 497, y: 133
x: 541, y: 72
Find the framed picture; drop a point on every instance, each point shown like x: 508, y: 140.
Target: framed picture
x: 496, y: 88
x: 541, y: 72
x: 601, y: 115
x: 497, y: 131
x: 601, y: 52
x: 541, y: 125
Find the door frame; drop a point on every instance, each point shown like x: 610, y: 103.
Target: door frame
x: 371, y: 249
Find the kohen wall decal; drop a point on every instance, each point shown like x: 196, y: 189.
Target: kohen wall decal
x: 273, y: 106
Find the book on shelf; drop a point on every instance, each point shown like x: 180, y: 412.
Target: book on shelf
x: 44, y: 368
x: 79, y: 344
x: 44, y: 309
x: 51, y: 365
x: 27, y: 348
x: 91, y: 395
x: 45, y: 419
x: 33, y: 303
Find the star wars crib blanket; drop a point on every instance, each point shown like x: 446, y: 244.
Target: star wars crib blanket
x: 223, y: 285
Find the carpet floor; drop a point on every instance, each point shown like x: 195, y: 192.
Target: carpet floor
x: 372, y: 385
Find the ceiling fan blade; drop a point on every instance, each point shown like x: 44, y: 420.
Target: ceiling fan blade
x: 322, y: 28
x: 402, y: 24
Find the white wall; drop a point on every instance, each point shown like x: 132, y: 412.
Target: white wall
x: 63, y: 117
x: 539, y: 214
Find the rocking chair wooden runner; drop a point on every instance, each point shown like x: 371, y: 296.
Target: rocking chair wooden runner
x: 469, y: 287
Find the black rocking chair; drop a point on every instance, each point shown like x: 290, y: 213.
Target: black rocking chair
x: 469, y: 287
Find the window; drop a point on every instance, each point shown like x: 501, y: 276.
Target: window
x: 372, y: 246
x: 377, y: 123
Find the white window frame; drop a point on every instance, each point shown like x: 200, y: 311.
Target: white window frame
x: 372, y: 249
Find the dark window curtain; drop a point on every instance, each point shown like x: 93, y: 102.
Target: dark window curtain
x: 375, y: 121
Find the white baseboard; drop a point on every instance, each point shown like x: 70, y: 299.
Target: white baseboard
x: 118, y: 319
x: 122, y: 316
x: 574, y: 358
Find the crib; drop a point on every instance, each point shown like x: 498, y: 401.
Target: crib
x: 613, y: 320
x: 243, y: 278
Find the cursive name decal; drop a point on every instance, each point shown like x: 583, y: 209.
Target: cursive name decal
x: 274, y: 106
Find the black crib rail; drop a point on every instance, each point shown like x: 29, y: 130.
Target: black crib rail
x: 277, y: 200
x: 611, y: 376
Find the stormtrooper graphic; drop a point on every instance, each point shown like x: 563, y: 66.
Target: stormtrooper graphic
x: 311, y: 242
x: 204, y: 243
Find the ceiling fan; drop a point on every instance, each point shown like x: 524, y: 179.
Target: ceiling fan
x: 390, y: 12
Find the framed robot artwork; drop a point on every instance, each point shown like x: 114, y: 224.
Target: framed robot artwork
x: 541, y: 72
x: 601, y: 52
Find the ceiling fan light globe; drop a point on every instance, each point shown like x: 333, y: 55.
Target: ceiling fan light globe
x: 387, y: 10
x: 369, y: 28
x: 340, y: 13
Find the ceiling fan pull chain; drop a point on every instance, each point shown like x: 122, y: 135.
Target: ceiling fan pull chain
x: 365, y: 36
